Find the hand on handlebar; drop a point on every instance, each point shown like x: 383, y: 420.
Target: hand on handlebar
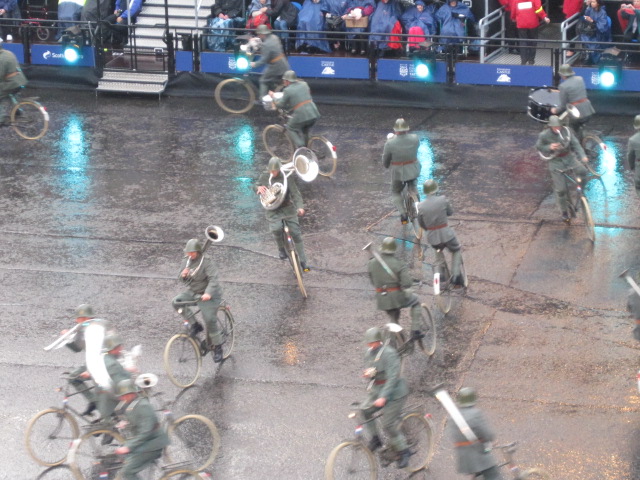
x: 122, y: 450
x: 300, y: 212
x: 380, y: 402
x: 205, y: 297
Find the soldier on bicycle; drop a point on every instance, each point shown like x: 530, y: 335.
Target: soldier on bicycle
x: 633, y: 152
x: 272, y: 55
x: 390, y: 277
x: 291, y: 208
x: 633, y: 306
x: 401, y: 155
x: 296, y: 99
x: 386, y: 390
x: 432, y: 217
x: 199, y: 275
x: 559, y: 146
x: 573, y: 92
x: 107, y: 399
x: 11, y: 79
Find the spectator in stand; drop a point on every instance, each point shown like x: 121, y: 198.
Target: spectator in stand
x: 356, y: 11
x: 118, y: 31
x: 418, y: 21
x: 570, y: 8
x: 311, y: 19
x: 383, y: 21
x: 68, y: 11
x: 509, y: 25
x: 452, y: 19
x: 283, y: 15
x: 629, y: 17
x: 594, y: 26
x: 335, y: 9
x: 224, y: 14
x: 527, y: 15
x: 258, y: 14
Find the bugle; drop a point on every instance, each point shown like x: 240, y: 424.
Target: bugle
x: 63, y: 339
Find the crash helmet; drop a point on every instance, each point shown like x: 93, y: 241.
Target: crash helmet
x: 401, y: 125
x: 274, y: 164
x: 430, y: 186
x: 193, y: 245
x: 290, y: 76
x: 263, y: 30
x: 374, y: 334
x: 84, y: 310
x: 565, y: 70
x: 112, y: 340
x: 388, y: 245
x: 636, y: 122
x: 554, y: 121
x: 126, y: 386
x: 467, y: 397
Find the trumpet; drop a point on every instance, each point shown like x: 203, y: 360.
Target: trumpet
x: 214, y: 234
x: 63, y: 339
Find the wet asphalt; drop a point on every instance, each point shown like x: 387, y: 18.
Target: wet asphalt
x: 99, y: 210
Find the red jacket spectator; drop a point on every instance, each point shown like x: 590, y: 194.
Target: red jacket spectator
x: 527, y: 13
x: 571, y: 7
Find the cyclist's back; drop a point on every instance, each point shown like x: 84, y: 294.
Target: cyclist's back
x: 574, y: 92
x: 11, y: 79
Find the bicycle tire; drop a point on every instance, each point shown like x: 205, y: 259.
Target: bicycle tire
x: 58, y: 472
x: 277, y: 142
x: 594, y: 149
x: 366, y: 468
x: 90, y: 448
x: 411, y: 201
x: 428, y: 328
x: 64, y: 429
x: 235, y: 95
x: 534, y: 473
x: 186, y: 351
x: 325, y: 153
x: 420, y: 434
x: 443, y: 300
x: 297, y: 271
x: 227, y: 327
x: 194, y: 440
x: 465, y: 279
x: 29, y: 119
x: 588, y: 219
x: 182, y: 474
x: 43, y: 34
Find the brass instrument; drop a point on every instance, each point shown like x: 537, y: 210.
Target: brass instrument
x: 273, y: 197
x: 214, y: 234
x: 63, y: 339
x: 575, y: 113
x: 304, y: 163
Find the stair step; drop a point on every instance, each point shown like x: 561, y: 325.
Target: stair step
x: 129, y: 87
x: 176, y: 11
x: 205, y: 6
x: 180, y: 22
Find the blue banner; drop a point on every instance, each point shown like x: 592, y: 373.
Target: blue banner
x: 17, y: 49
x: 218, y: 62
x: 52, y: 55
x: 509, y: 75
x: 404, y: 71
x: 628, y: 80
x: 330, y: 67
x: 184, y: 61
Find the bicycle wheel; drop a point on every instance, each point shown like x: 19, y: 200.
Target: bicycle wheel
x: 59, y: 472
x: 595, y: 149
x: 428, y: 327
x: 49, y: 435
x: 351, y: 460
x: 90, y: 457
x: 398, y: 340
x: 235, y: 95
x: 443, y: 300
x: 297, y: 270
x: 277, y: 142
x: 43, y: 34
x: 533, y: 473
x: 29, y: 119
x: 419, y: 432
x: 194, y: 440
x: 182, y: 475
x: 588, y: 220
x: 326, y: 155
x: 411, y: 201
x: 182, y: 360
x: 227, y: 327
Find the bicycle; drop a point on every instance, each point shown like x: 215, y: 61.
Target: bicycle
x: 353, y: 459
x: 184, y: 351
x: 28, y: 117
x: 531, y: 473
x: 278, y: 143
x: 395, y: 335
x: 410, y: 201
x: 108, y: 465
x: 442, y: 284
x: 578, y: 202
x: 292, y: 255
x: 195, y: 442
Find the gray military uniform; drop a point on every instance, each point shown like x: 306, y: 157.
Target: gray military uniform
x: 271, y: 55
x: 400, y: 154
x: 204, y: 281
x: 472, y: 458
x: 107, y: 400
x: 563, y: 159
x: 392, y: 294
x: 633, y: 155
x: 11, y: 78
x: 287, y: 211
x: 387, y: 384
x: 573, y: 91
x: 297, y: 100
x: 633, y: 306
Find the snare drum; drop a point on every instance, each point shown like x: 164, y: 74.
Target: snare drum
x: 268, y: 102
x: 541, y: 101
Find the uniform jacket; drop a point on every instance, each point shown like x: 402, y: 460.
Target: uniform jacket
x: 231, y: 8
x: 206, y: 278
x: 401, y: 149
x: 633, y: 151
x: 115, y: 369
x: 9, y: 65
x: 387, y: 382
x: 380, y: 278
x: 292, y: 200
x: 527, y: 13
x: 573, y: 91
x: 633, y: 304
x: 433, y: 212
x: 147, y: 433
x: 570, y: 144
x: 270, y: 51
x: 472, y: 458
x: 294, y: 95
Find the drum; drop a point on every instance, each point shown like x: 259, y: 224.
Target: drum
x: 541, y: 101
x: 268, y: 102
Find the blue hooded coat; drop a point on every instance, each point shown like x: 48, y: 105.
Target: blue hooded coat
x: 603, y: 32
x: 451, y: 20
x: 414, y: 18
x: 311, y: 18
x: 383, y: 20
x: 364, y: 5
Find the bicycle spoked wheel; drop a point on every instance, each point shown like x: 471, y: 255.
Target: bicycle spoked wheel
x: 277, y: 142
x: 412, y: 212
x: 326, y: 155
x: 419, y: 432
x: 235, y: 95
x: 227, y: 329
x: 194, y: 440
x: 182, y: 360
x: 59, y: 472
x: 95, y: 454
x: 588, y: 219
x: 297, y: 270
x: 182, y: 475
x: 351, y: 460
x: 49, y: 435
x: 29, y: 120
x: 595, y: 149
x: 427, y: 344
x: 443, y: 299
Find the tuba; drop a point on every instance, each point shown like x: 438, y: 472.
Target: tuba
x: 214, y: 234
x: 304, y: 163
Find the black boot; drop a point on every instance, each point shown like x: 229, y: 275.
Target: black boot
x: 195, y: 329
x: 90, y: 408
x: 282, y: 254
x: 217, y: 353
x: 416, y: 335
x: 403, y: 461
x: 374, y: 443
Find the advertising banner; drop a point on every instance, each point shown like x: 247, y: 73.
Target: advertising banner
x: 17, y: 49
x: 508, y: 75
x: 330, y: 67
x: 184, y: 61
x: 628, y: 80
x: 404, y: 71
x: 52, y: 55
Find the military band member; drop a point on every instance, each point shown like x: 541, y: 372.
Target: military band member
x: 633, y: 152
x: 199, y: 275
x: 574, y: 92
x: 392, y: 283
x: 388, y: 391
x: 272, y: 55
x: 633, y: 306
x: 291, y: 208
x: 113, y: 360
x: 400, y: 154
